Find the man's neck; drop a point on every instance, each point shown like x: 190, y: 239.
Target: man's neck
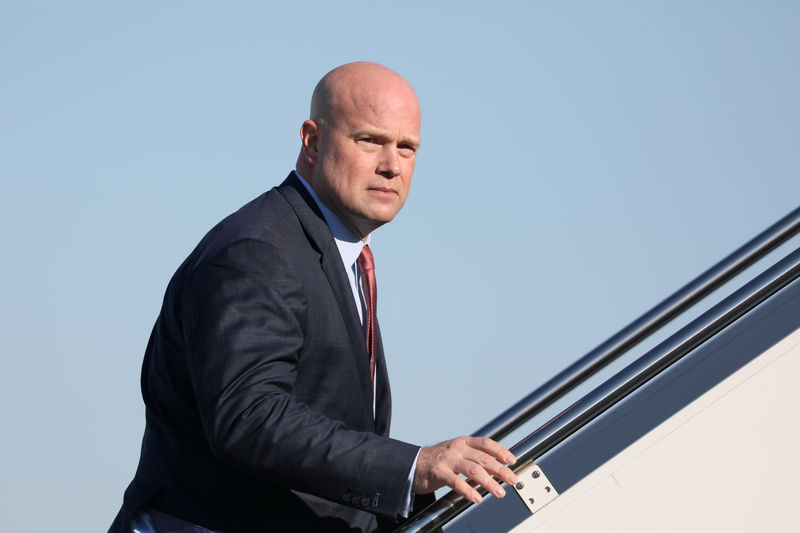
x: 338, y: 228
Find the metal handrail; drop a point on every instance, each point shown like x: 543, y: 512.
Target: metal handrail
x: 628, y: 337
x: 626, y: 381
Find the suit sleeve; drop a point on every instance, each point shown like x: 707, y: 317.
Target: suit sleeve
x: 244, y: 318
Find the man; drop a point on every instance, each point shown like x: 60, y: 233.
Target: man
x: 266, y: 393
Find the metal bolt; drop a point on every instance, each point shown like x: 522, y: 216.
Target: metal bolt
x: 547, y: 489
x: 520, y: 485
x: 535, y: 474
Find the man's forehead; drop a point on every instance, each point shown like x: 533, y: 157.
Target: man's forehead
x: 376, y: 101
x: 400, y: 123
x: 378, y: 110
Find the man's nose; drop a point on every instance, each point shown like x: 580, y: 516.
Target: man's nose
x: 389, y: 165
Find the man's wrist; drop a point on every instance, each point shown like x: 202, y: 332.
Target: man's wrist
x: 408, y: 494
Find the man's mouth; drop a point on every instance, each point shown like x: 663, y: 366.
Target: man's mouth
x: 382, y: 190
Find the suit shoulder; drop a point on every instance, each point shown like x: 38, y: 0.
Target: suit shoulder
x: 267, y: 219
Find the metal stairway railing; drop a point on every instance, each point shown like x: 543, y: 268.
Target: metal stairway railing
x: 641, y: 370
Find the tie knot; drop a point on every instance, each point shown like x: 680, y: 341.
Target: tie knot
x: 365, y: 260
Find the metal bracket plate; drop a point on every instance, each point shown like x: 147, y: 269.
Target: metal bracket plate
x: 534, y: 488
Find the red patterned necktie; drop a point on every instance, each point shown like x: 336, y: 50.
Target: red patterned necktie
x: 367, y: 264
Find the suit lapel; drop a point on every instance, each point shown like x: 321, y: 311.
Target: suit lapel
x: 383, y: 401
x: 321, y: 238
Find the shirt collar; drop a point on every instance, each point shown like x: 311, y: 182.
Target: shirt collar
x: 347, y: 242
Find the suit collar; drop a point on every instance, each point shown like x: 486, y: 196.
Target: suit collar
x: 307, y: 211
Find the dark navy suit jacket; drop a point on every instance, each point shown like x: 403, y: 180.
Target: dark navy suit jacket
x: 256, y: 385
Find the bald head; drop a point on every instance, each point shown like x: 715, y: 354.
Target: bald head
x: 354, y: 84
x: 360, y: 143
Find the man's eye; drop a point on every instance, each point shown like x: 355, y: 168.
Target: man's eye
x: 407, y: 149
x: 370, y: 140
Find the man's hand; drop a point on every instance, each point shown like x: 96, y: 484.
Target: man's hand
x: 477, y: 458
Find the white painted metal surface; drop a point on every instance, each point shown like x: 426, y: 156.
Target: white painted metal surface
x: 729, y: 461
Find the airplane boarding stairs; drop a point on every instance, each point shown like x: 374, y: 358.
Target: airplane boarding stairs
x: 698, y: 433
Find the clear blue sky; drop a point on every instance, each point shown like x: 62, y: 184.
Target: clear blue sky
x: 580, y: 161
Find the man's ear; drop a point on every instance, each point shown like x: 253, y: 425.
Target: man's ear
x: 309, y: 135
